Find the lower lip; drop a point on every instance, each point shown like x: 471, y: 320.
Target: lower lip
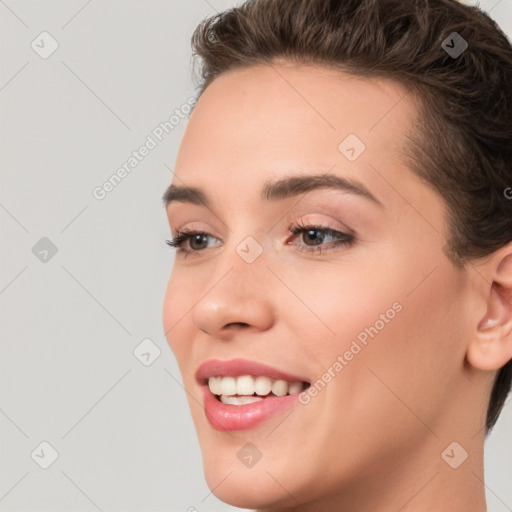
x: 229, y: 417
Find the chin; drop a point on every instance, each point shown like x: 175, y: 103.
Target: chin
x: 250, y: 488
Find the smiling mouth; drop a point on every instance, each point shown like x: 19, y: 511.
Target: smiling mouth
x: 246, y: 389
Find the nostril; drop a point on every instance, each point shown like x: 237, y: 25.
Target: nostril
x: 237, y: 324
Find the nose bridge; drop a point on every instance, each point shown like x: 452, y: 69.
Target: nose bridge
x: 242, y: 269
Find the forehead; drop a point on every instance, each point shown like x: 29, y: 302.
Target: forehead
x: 266, y: 121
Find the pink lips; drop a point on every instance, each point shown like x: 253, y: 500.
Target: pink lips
x: 229, y: 417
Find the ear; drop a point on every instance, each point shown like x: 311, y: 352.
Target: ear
x: 490, y: 347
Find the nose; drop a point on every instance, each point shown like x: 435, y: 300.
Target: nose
x: 235, y: 298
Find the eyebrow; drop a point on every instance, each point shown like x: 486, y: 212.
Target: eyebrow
x: 277, y: 190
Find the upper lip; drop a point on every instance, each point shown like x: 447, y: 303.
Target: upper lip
x: 236, y: 367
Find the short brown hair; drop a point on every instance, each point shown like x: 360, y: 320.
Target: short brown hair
x: 462, y: 142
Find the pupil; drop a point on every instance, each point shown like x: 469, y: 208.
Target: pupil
x: 197, y: 238
x: 318, y: 238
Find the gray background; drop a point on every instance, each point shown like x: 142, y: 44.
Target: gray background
x: 70, y: 323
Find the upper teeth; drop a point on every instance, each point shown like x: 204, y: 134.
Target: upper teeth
x: 248, y: 385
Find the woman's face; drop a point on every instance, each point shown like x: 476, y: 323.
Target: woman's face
x: 376, y: 324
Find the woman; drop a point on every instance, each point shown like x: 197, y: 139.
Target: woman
x: 340, y: 305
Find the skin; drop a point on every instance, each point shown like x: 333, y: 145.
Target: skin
x: 372, y: 439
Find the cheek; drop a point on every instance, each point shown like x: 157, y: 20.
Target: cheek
x: 401, y: 324
x: 175, y: 307
x: 411, y: 358
x: 335, y: 305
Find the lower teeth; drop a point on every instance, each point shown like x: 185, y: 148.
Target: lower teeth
x: 239, y: 400
x: 247, y: 399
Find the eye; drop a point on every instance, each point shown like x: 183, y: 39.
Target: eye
x: 195, y: 239
x: 314, y: 237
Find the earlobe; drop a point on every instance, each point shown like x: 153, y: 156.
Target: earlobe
x: 491, y: 345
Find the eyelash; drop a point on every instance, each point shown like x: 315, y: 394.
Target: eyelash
x: 344, y: 239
